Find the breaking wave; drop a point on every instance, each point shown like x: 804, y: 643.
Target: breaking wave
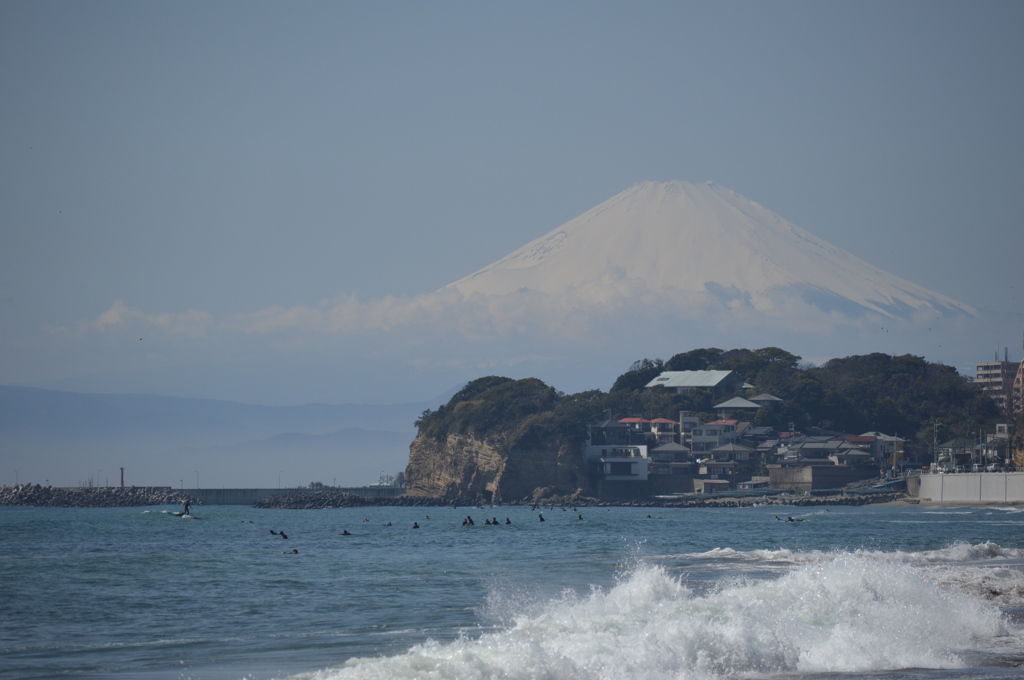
x: 845, y: 612
x: 957, y: 552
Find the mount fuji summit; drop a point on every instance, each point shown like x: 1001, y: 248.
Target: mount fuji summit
x: 700, y: 248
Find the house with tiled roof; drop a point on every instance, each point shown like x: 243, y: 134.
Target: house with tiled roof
x: 732, y: 451
x: 710, y: 436
x: 665, y: 431
x: 669, y: 459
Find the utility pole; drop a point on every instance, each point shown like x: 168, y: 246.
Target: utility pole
x: 969, y: 441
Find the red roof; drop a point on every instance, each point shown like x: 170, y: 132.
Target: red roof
x: 663, y: 420
x: 634, y: 420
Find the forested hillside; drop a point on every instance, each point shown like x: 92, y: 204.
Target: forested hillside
x: 898, y: 395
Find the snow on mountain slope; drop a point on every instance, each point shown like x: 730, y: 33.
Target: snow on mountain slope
x: 699, y: 245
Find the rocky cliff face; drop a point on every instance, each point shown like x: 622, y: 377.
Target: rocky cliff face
x: 496, y: 440
x: 463, y: 466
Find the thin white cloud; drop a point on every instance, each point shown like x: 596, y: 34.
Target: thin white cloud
x: 445, y: 329
x: 119, y: 314
x: 583, y: 315
x: 346, y: 349
x: 192, y: 324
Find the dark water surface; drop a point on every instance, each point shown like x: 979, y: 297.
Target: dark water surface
x: 877, y: 592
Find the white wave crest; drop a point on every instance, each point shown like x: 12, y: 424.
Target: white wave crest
x: 957, y: 552
x: 851, y: 613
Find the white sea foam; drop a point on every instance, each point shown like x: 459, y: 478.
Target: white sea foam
x: 763, y: 555
x: 957, y: 552
x: 985, y: 570
x: 848, y: 613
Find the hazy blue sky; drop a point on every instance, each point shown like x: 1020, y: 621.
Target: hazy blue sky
x: 213, y: 160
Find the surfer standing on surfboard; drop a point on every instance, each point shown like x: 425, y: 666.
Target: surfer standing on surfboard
x: 187, y: 506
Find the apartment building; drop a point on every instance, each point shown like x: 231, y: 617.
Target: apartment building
x: 996, y: 380
x: 1018, y: 391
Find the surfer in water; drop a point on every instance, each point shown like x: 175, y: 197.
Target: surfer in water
x: 188, y: 506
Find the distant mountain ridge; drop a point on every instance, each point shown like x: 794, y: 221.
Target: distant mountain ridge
x: 700, y: 245
x: 162, y: 440
x: 56, y: 413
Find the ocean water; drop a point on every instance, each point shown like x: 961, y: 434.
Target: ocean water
x: 869, y: 592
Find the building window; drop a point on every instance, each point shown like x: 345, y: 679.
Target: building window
x: 620, y: 469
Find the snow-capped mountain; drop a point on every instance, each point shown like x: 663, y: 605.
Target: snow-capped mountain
x: 700, y: 245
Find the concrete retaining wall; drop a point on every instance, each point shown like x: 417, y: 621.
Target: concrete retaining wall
x: 250, y: 496
x: 976, y: 487
x: 813, y: 477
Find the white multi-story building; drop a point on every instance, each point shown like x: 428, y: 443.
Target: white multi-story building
x: 996, y: 380
x: 617, y: 451
x: 618, y: 463
x: 1018, y: 391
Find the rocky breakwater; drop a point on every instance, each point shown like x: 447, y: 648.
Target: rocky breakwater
x: 96, y: 497
x: 320, y: 500
x: 799, y: 501
x: 496, y: 441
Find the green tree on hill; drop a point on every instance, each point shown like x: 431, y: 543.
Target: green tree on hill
x: 638, y: 375
x: 490, y: 403
x: 899, y: 395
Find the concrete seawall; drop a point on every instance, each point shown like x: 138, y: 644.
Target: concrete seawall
x: 973, y: 487
x: 250, y: 496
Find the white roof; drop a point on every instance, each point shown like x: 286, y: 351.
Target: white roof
x: 689, y: 378
x: 883, y: 437
x: 737, y: 402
